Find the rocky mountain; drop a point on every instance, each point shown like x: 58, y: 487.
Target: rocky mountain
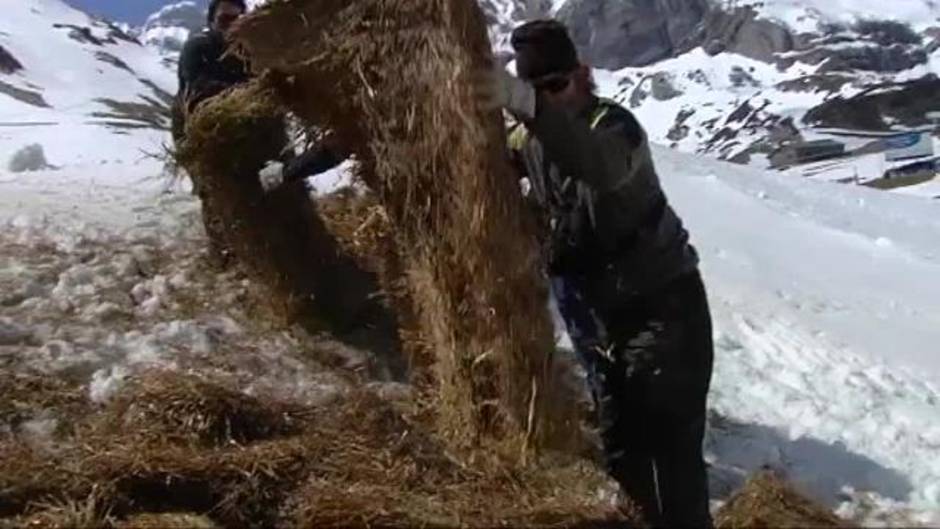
x: 167, y: 29
x: 737, y: 78
x: 731, y: 78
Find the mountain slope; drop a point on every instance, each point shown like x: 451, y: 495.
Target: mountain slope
x: 82, y: 88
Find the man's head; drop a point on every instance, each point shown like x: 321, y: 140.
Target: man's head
x: 547, y: 58
x: 224, y: 13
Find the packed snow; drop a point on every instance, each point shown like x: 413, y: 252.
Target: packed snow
x: 929, y: 189
x: 826, y: 332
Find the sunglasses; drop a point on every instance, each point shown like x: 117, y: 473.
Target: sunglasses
x: 227, y: 18
x: 552, y: 83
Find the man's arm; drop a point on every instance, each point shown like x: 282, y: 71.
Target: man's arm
x: 612, y: 162
x: 604, y: 158
x: 323, y: 156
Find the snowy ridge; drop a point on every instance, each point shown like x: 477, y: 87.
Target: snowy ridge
x: 734, y: 107
x: 741, y: 78
x: 86, y: 89
x: 808, y: 15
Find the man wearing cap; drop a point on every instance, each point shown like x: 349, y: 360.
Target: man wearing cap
x: 622, y: 270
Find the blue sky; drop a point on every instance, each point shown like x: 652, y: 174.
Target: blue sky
x: 131, y: 11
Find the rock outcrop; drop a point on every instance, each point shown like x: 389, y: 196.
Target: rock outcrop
x: 899, y: 103
x: 617, y: 33
x: 741, y: 31
x: 8, y: 63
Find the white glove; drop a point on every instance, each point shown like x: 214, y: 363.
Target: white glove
x: 272, y: 176
x: 503, y: 90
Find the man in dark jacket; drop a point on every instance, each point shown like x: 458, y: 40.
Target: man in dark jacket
x: 205, y: 66
x: 206, y: 69
x: 622, y: 270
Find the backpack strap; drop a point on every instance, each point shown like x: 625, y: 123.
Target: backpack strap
x: 604, y: 106
x: 519, y: 134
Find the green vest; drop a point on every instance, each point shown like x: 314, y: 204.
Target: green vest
x: 519, y: 135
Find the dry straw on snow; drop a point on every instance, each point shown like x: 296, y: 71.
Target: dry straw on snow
x: 360, y: 464
x: 394, y: 80
x: 768, y: 502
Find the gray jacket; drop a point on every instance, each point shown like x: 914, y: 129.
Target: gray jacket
x: 607, y: 221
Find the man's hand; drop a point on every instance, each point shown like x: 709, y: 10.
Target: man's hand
x: 272, y: 176
x: 501, y: 90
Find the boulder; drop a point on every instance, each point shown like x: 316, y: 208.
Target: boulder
x: 29, y: 158
x: 617, y: 33
x: 903, y: 103
x: 8, y: 63
x: 662, y: 87
x: 863, y: 57
x: 741, y: 31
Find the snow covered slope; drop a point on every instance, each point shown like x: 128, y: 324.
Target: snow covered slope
x: 827, y: 306
x: 82, y: 88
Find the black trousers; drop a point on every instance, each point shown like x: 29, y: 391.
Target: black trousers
x: 649, y: 363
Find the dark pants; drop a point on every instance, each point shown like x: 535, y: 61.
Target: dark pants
x: 649, y: 363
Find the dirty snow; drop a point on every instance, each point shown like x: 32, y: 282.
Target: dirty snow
x: 826, y: 310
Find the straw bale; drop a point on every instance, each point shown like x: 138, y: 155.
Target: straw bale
x: 25, y: 475
x: 91, y: 512
x: 237, y: 486
x: 365, y: 439
x: 394, y: 80
x: 565, y: 497
x: 362, y: 228
x: 767, y: 501
x: 31, y: 476
x: 277, y: 236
